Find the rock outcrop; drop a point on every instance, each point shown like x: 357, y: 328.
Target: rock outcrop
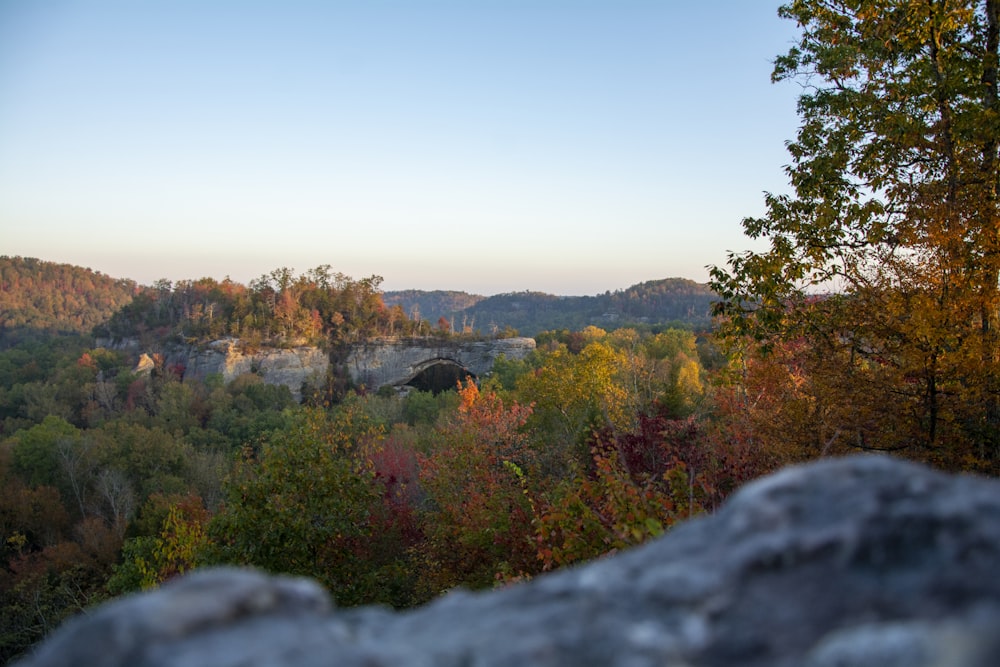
x: 397, y: 361
x: 864, y: 562
x: 290, y: 367
x: 371, y: 364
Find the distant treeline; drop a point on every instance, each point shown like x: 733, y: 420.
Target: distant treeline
x: 671, y: 301
x: 278, y: 309
x: 317, y: 307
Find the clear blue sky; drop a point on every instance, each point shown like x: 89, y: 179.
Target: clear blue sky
x: 565, y: 146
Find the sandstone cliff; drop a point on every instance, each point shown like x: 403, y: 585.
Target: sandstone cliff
x: 396, y: 361
x: 289, y: 367
x: 372, y: 364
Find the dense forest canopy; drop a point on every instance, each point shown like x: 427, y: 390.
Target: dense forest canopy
x: 39, y: 297
x: 316, y: 307
x: 279, y: 308
x: 113, y: 479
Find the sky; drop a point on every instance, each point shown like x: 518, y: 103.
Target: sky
x: 490, y: 146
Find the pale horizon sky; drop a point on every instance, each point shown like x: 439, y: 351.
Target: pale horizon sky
x: 490, y: 146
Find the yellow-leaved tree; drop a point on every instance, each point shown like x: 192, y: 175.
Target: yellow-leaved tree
x: 883, y: 262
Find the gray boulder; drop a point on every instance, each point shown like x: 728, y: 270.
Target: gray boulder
x: 864, y: 561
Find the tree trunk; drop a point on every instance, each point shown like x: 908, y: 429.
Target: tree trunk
x: 990, y: 300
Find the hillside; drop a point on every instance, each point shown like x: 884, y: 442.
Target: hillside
x: 431, y: 305
x: 675, y: 301
x: 40, y: 297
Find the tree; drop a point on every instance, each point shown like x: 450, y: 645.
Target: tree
x: 574, y: 393
x: 147, y: 460
x: 36, y: 450
x: 477, y: 522
x: 49, y: 568
x: 893, y: 216
x: 179, y: 546
x: 304, y: 504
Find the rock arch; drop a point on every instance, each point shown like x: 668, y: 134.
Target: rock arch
x: 397, y: 361
x: 437, y: 375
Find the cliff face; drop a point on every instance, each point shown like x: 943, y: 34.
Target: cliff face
x: 859, y: 562
x: 291, y: 367
x: 396, y: 361
x: 378, y: 362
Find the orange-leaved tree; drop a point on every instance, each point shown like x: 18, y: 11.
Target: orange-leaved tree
x: 477, y: 516
x: 892, y: 218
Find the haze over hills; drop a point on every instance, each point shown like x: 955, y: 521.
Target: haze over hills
x: 674, y: 301
x: 61, y: 298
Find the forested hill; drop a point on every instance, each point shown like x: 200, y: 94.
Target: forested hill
x: 674, y: 301
x: 431, y: 305
x: 39, y: 297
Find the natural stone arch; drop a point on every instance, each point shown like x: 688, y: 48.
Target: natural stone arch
x: 375, y: 363
x: 437, y: 375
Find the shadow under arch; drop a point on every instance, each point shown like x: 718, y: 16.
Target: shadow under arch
x: 437, y: 375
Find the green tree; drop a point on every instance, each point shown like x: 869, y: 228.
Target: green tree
x: 36, y: 450
x: 894, y: 214
x: 305, y: 504
x: 179, y: 408
x: 151, y: 460
x: 421, y: 407
x: 179, y: 546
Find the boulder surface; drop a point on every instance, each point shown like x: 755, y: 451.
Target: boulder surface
x: 858, y: 562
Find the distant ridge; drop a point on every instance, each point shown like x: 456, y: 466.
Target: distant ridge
x: 431, y: 305
x: 38, y: 297
x: 668, y: 301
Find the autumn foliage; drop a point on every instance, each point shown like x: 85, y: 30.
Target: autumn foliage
x: 477, y: 517
x: 595, y: 443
